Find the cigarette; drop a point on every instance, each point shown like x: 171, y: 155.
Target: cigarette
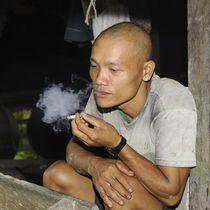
x: 71, y: 117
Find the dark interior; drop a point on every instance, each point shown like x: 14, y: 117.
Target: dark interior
x: 34, y: 55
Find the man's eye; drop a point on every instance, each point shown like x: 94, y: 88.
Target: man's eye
x: 92, y: 65
x: 113, y: 70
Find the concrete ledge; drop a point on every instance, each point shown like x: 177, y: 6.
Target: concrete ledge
x: 21, y: 195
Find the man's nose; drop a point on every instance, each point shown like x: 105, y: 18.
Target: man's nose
x: 101, y: 78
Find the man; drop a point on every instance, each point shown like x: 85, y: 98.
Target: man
x: 147, y: 124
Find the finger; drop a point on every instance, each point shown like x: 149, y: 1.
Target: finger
x: 123, y: 168
x: 119, y: 188
x: 112, y: 193
x: 105, y: 198
x: 80, y: 135
x: 124, y: 182
x: 74, y: 127
x: 79, y: 120
x: 83, y: 126
x: 92, y: 120
x: 76, y: 131
x: 83, y: 121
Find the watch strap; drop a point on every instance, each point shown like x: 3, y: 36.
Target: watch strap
x: 115, y: 150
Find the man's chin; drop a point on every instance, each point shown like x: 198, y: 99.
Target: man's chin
x: 104, y: 104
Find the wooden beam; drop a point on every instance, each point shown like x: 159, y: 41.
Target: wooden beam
x: 199, y: 84
x: 18, y: 194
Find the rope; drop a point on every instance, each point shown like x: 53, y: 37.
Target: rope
x: 91, y: 4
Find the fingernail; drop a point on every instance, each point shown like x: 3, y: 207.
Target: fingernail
x: 83, y: 114
x: 131, y: 172
x: 110, y: 205
x: 121, y: 202
x: 129, y: 196
x: 130, y: 190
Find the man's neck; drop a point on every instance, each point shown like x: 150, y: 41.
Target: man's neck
x: 133, y: 107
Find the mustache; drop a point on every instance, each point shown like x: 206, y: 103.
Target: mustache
x: 101, y: 88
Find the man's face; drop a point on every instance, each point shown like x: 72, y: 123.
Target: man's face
x: 116, y: 72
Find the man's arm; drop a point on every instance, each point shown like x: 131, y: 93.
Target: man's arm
x: 102, y: 173
x: 166, y: 183
x: 78, y: 157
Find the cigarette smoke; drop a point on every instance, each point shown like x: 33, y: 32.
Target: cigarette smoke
x: 57, y: 102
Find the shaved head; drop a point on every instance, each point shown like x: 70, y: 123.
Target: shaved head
x: 121, y: 68
x: 126, y: 31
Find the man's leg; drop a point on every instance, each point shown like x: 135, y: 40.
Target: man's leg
x: 61, y: 177
x: 141, y: 199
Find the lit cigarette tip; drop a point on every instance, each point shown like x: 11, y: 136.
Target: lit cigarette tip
x: 71, y: 117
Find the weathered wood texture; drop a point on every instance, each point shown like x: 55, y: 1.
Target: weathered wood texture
x: 199, y: 83
x: 21, y: 195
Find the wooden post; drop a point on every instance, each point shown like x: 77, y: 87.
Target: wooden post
x: 18, y: 194
x: 199, y: 84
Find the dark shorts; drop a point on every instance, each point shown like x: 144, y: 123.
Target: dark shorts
x: 98, y: 200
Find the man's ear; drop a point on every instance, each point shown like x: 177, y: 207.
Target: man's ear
x: 148, y: 69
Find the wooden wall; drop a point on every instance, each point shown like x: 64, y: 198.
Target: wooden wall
x: 199, y: 83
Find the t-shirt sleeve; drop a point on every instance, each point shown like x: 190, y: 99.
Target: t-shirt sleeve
x: 175, y: 138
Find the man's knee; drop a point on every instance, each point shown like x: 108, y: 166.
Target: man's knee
x: 57, y: 175
x: 61, y: 177
x: 141, y: 198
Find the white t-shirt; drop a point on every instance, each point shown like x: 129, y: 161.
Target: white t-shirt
x: 164, y: 132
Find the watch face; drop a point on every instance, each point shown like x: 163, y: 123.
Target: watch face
x: 109, y: 150
x: 115, y: 151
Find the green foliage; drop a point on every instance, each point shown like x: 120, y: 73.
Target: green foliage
x: 22, y: 155
x: 25, y: 151
x: 23, y: 114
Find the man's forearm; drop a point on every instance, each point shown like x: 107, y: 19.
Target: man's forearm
x: 78, y: 157
x: 152, y: 177
x: 145, y: 171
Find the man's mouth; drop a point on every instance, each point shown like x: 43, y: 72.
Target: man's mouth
x: 101, y: 94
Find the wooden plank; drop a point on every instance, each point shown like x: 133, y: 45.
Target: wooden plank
x: 199, y: 83
x: 21, y: 195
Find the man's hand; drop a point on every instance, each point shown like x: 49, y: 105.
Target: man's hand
x: 109, y: 179
x: 101, y: 134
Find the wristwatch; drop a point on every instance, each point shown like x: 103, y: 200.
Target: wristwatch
x: 114, y: 151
